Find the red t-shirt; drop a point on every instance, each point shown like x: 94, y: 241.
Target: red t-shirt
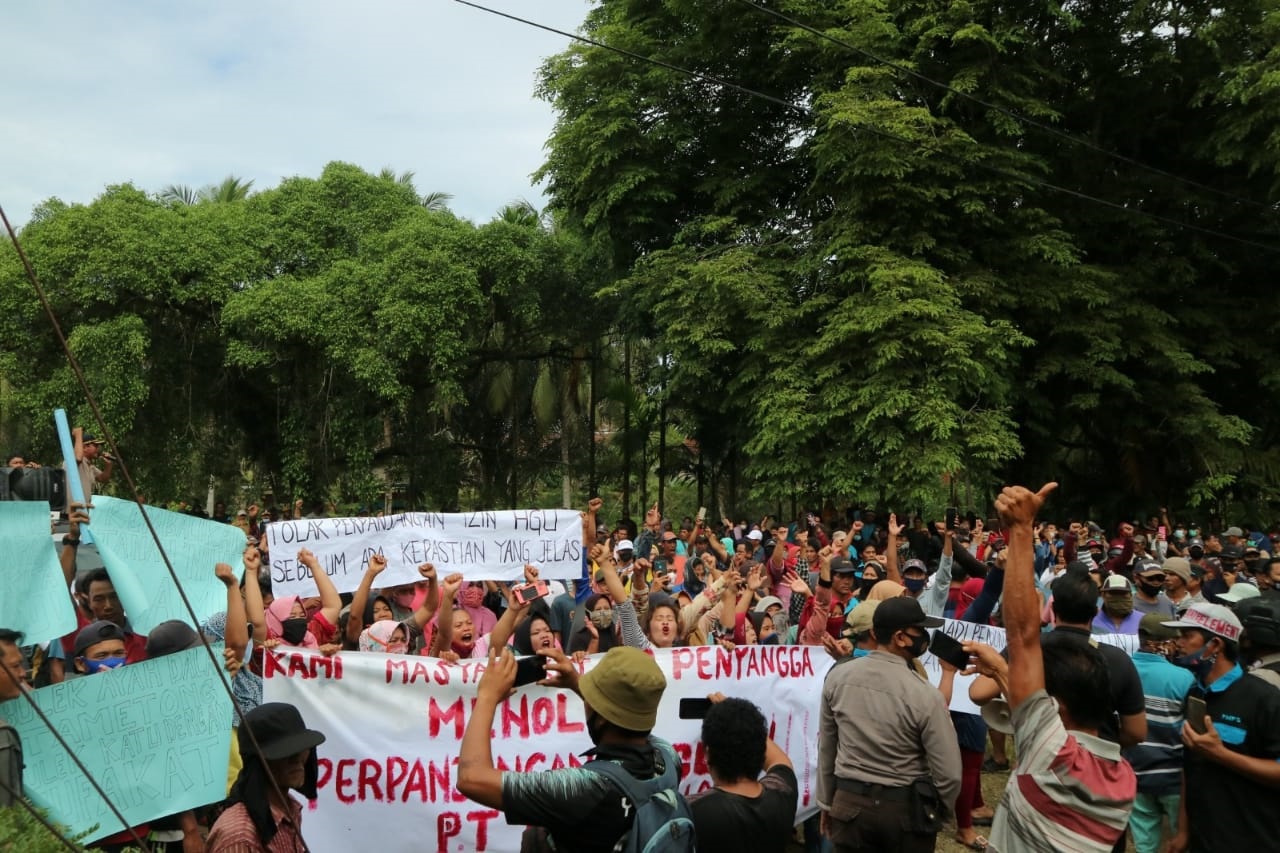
x: 835, y: 622
x: 135, y: 645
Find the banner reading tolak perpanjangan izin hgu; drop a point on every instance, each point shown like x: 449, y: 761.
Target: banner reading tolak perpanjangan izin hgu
x: 479, y: 545
x: 394, y: 724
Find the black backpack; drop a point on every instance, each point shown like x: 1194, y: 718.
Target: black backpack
x: 663, y: 822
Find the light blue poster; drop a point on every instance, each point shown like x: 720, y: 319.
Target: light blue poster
x: 156, y: 736
x: 36, y: 600
x: 194, y: 545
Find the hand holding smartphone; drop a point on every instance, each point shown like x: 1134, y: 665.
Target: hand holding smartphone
x: 1196, y: 712
x: 947, y: 648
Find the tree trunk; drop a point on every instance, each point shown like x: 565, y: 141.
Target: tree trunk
x: 626, y: 429
x: 662, y: 451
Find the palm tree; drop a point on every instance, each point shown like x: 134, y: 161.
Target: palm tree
x: 520, y: 212
x: 179, y: 194
x: 437, y: 202
x: 230, y: 190
x: 404, y: 179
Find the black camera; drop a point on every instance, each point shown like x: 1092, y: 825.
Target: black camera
x: 34, y: 484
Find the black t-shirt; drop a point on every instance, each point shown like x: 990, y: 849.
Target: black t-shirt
x: 731, y: 823
x: 580, y: 809
x: 1127, y: 697
x: 1227, y: 811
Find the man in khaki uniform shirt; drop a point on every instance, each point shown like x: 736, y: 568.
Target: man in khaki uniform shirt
x: 885, y: 728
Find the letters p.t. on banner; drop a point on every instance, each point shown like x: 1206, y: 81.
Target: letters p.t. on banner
x: 394, y: 725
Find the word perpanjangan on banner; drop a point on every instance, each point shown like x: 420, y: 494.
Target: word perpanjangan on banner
x: 492, y: 545
x: 393, y: 726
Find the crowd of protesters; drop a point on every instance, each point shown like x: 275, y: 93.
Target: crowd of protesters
x: 1103, y: 746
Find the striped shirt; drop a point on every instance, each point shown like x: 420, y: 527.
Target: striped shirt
x: 234, y: 832
x: 1158, y: 760
x: 1071, y: 790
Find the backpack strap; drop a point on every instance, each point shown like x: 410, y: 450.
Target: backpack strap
x: 637, y: 790
x: 1268, y: 675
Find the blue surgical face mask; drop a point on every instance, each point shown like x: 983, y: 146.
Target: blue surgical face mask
x: 914, y: 585
x: 106, y: 663
x: 1197, y: 663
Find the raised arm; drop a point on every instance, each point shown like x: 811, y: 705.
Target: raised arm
x: 355, y: 616
x: 515, y: 613
x: 755, y: 580
x: 603, y: 558
x: 589, y: 523
x: 891, y: 550
x: 71, y: 544
x: 77, y: 444
x: 330, y: 601
x: 729, y: 600
x: 236, y: 633
x: 713, y: 541
x: 431, y: 603
x: 1018, y: 507
x: 253, y: 608
x: 443, y: 639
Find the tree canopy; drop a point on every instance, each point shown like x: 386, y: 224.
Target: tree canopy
x: 890, y: 252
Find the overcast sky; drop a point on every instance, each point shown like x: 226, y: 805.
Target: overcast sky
x: 162, y: 93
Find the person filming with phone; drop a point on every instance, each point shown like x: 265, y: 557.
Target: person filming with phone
x: 744, y: 810
x: 1231, y: 739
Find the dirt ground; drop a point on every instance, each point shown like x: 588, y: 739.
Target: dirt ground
x: 992, y: 786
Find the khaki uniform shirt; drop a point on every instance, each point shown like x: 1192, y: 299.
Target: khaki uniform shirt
x: 884, y: 724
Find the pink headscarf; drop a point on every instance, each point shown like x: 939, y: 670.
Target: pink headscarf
x: 377, y: 638
x: 277, y: 612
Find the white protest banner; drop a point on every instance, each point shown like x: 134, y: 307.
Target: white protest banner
x: 994, y: 637
x: 393, y: 725
x: 492, y: 545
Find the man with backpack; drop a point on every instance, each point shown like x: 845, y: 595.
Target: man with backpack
x: 625, y: 799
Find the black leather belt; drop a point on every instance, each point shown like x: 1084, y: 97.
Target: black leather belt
x: 888, y: 793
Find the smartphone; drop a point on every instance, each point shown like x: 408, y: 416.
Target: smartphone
x: 948, y: 648
x: 702, y: 514
x: 1196, y: 711
x: 530, y: 670
x: 659, y: 567
x: 1162, y: 532
x: 694, y: 709
x: 953, y: 515
x: 527, y: 593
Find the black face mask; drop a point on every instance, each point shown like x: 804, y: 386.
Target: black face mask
x: 864, y: 588
x: 1151, y: 589
x: 294, y: 630
x: 919, y: 644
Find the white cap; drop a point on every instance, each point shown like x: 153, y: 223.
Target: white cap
x: 1116, y: 582
x: 756, y: 535
x: 1241, y: 591
x: 624, y: 545
x: 1214, y: 618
